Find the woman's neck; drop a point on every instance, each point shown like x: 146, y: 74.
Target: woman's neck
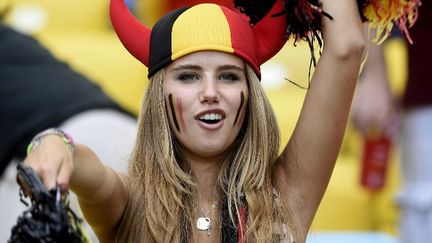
x: 207, y: 208
x: 205, y: 174
x: 205, y: 170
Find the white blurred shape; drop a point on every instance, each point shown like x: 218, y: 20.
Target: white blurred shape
x: 28, y: 19
x: 273, y: 75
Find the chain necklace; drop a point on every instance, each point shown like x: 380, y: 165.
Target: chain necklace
x: 204, y: 223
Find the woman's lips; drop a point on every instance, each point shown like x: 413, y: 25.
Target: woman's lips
x: 210, y: 126
x: 214, y: 124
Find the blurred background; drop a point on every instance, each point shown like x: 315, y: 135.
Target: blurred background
x: 79, y: 32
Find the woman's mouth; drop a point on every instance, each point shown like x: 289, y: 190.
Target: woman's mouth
x: 211, y: 118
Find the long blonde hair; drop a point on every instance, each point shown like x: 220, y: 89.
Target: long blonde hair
x: 161, y: 191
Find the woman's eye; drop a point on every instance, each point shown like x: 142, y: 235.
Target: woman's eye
x: 229, y: 77
x: 188, y: 77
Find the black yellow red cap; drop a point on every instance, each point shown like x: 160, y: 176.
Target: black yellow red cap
x: 203, y: 27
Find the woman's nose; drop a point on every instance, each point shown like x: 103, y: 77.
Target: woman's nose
x: 210, y: 93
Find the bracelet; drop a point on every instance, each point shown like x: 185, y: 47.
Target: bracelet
x: 36, y: 141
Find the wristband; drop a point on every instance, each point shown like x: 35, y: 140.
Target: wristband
x: 36, y: 141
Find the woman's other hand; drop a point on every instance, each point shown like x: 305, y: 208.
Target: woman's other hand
x: 52, y: 160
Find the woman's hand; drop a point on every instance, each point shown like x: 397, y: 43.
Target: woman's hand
x: 373, y: 109
x: 102, y: 193
x: 52, y: 160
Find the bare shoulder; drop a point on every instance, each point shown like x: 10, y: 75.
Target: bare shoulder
x: 124, y: 179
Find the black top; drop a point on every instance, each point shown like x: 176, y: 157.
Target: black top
x: 37, y: 92
x: 419, y: 86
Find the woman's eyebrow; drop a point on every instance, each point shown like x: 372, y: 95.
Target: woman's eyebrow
x: 187, y: 66
x: 230, y: 67
x: 198, y: 67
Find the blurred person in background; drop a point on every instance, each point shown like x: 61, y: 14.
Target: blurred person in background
x: 38, y: 91
x: 374, y: 109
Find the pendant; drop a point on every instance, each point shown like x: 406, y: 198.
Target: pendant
x: 203, y: 223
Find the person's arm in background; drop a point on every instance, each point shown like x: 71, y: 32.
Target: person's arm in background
x: 373, y: 105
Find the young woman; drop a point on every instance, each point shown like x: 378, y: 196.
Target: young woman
x: 206, y: 166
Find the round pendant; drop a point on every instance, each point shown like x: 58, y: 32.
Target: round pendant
x: 203, y: 223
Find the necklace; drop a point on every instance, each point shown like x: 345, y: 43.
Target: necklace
x: 204, y: 223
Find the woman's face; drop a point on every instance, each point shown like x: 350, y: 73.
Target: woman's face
x: 206, y: 96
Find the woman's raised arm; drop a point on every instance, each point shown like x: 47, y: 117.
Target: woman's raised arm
x: 308, y: 160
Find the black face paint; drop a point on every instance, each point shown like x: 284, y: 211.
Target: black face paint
x: 239, y: 109
x: 173, y: 113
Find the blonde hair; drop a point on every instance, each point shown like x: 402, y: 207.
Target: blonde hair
x: 162, y: 192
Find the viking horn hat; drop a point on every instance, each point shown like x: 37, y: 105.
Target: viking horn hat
x: 200, y: 28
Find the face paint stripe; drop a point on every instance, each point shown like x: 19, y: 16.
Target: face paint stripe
x: 173, y: 114
x: 242, y: 115
x: 180, y: 113
x: 239, y: 109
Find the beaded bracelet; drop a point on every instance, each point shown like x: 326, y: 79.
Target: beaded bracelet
x: 36, y: 141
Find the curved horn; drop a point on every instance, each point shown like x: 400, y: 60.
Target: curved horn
x: 270, y: 32
x: 134, y: 35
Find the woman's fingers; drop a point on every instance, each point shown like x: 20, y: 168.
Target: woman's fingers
x: 65, y: 173
x: 52, y: 161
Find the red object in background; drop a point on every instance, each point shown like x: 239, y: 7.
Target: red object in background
x: 376, y: 155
